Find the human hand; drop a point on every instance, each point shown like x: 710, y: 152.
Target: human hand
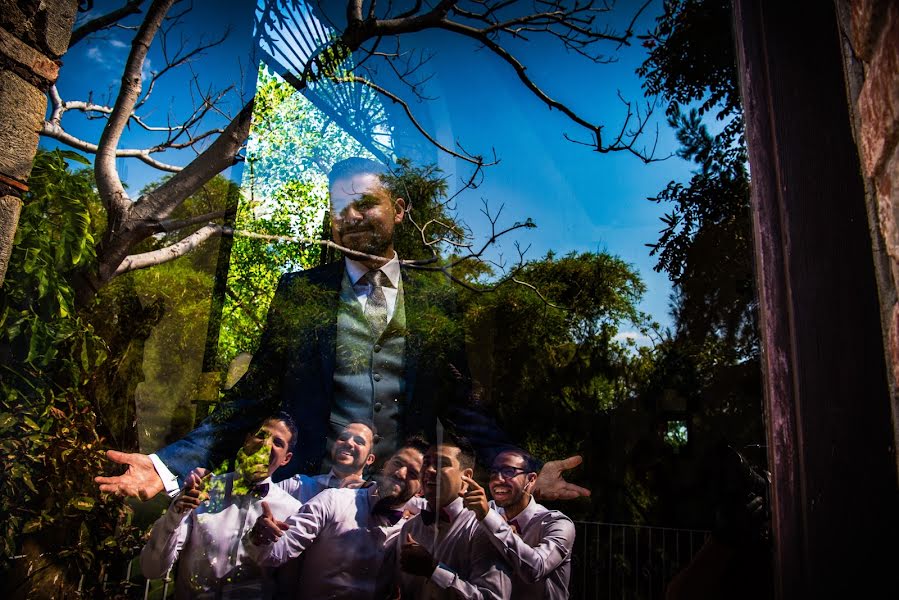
x: 194, y: 491
x: 140, y: 480
x: 475, y: 499
x: 267, y: 529
x: 415, y: 558
x: 550, y: 484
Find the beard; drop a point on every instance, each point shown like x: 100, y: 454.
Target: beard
x: 395, y: 491
x: 367, y: 240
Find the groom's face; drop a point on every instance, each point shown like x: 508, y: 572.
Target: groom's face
x: 363, y: 215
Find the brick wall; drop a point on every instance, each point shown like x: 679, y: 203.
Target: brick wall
x: 870, y: 31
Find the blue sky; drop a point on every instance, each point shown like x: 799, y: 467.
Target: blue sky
x: 580, y: 200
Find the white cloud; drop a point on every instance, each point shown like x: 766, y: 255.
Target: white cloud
x: 95, y: 54
x: 146, y: 70
x: 118, y: 44
x: 638, y: 338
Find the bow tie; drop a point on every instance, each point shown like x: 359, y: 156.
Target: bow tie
x: 260, y: 490
x: 393, y: 514
x: 428, y: 516
x: 515, y: 527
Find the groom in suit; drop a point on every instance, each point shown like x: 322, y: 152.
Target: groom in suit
x: 358, y: 340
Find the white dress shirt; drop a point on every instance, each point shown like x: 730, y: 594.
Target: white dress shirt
x: 469, y: 566
x: 355, y: 271
x: 342, y: 543
x: 214, y: 562
x: 540, y: 554
x: 305, y: 487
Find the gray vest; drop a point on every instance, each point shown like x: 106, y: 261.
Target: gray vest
x: 368, y: 373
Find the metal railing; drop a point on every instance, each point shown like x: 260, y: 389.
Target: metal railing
x: 629, y: 562
x: 610, y: 561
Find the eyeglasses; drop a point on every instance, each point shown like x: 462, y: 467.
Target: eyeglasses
x: 507, y: 472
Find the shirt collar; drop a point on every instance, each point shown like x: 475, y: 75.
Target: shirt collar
x: 453, y: 509
x: 332, y: 479
x: 235, y: 478
x: 525, y: 516
x: 356, y: 269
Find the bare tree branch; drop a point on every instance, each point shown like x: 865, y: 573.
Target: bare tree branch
x: 222, y: 153
x: 494, y: 24
x: 57, y: 133
x: 475, y: 160
x: 110, y: 19
x: 169, y: 225
x: 109, y: 186
x: 169, y: 253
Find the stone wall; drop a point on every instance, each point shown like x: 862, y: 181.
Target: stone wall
x: 870, y: 32
x: 34, y: 34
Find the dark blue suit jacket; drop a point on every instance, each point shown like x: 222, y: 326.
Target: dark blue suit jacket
x: 293, y: 370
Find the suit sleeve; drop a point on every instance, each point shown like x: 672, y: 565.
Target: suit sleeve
x: 469, y: 416
x: 256, y: 396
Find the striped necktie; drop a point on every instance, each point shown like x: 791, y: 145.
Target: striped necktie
x: 376, y: 305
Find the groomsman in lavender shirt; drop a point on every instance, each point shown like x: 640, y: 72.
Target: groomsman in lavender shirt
x: 350, y: 455
x: 444, y: 554
x: 343, y: 535
x: 535, y: 541
x: 205, y: 526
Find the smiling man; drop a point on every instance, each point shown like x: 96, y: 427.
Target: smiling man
x: 206, y: 524
x: 535, y: 541
x: 342, y: 535
x: 443, y: 553
x: 350, y: 455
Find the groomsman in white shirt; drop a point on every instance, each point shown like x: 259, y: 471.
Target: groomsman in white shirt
x: 535, y: 541
x: 443, y: 551
x: 206, y: 523
x: 342, y: 535
x: 350, y: 455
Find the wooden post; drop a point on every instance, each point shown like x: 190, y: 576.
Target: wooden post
x: 834, y: 497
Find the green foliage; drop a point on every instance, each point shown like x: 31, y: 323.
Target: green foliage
x: 53, y: 240
x: 291, y: 148
x: 556, y: 376
x: 691, y: 59
x: 706, y: 243
x: 423, y: 189
x: 47, y: 493
x: 49, y: 433
x: 706, y: 374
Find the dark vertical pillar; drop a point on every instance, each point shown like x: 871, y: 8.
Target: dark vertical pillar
x: 829, y: 431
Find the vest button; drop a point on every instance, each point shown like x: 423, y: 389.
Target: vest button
x: 377, y: 377
x: 378, y: 406
x: 377, y: 348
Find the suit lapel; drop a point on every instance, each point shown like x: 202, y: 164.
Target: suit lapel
x: 327, y: 333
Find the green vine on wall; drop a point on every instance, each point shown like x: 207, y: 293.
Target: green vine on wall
x: 57, y: 526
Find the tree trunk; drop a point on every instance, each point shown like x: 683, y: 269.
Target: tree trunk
x: 33, y: 36
x: 830, y: 438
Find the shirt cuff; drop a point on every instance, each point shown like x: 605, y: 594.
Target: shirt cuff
x: 169, y: 480
x: 443, y: 576
x: 493, y: 522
